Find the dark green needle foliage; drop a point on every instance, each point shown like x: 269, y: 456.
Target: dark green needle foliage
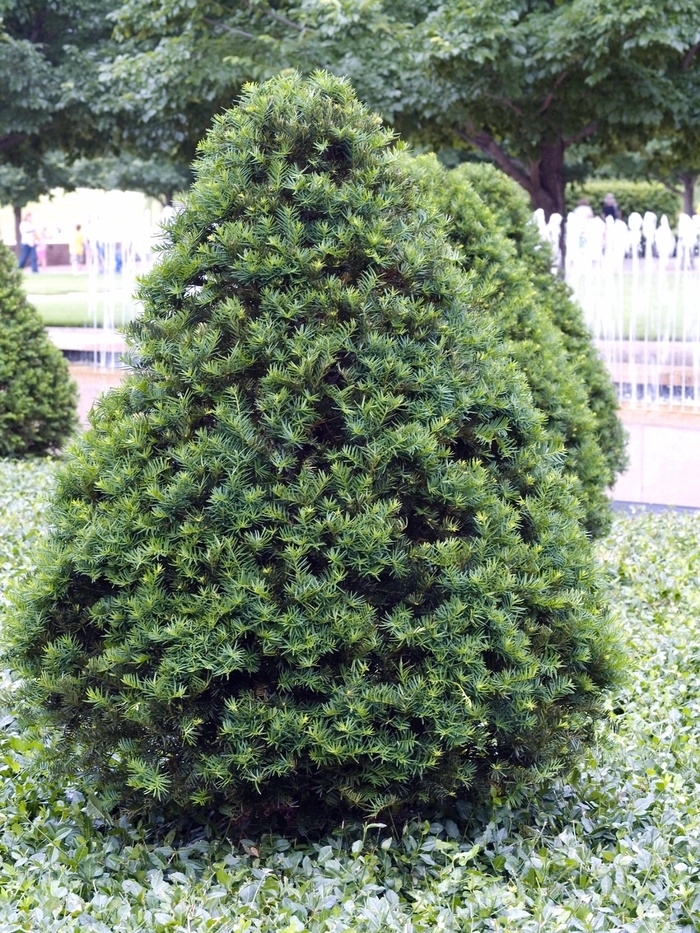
x: 37, y: 397
x: 513, y: 298
x: 315, y: 551
x: 510, y: 205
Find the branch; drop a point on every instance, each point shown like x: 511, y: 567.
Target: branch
x: 549, y: 96
x: 227, y: 28
x: 665, y: 183
x: 690, y: 55
x: 273, y: 14
x: 509, y: 103
x: 483, y: 140
x: 587, y: 131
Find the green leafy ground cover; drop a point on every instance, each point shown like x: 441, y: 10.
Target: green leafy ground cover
x: 617, y: 848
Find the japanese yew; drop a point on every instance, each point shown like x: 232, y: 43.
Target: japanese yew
x: 316, y: 550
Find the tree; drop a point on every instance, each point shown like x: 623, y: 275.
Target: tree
x: 315, y: 550
x: 541, y: 77
x: 520, y: 80
x: 49, y: 82
x: 178, y: 66
x: 55, y: 101
x: 37, y: 397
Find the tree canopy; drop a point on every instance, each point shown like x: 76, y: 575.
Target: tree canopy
x: 50, y: 84
x: 59, y: 110
x: 520, y: 80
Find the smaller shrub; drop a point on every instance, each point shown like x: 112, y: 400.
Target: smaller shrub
x: 531, y: 336
x: 37, y: 397
x: 514, y: 214
x: 640, y: 196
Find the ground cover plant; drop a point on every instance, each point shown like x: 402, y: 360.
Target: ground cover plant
x: 316, y: 551
x: 37, y: 397
x: 616, y: 848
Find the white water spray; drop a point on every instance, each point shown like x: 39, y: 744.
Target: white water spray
x: 639, y: 287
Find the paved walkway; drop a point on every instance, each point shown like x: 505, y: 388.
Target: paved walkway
x: 92, y: 383
x: 664, y: 453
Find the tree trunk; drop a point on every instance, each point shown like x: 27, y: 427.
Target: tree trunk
x: 17, y: 211
x: 547, y: 175
x: 543, y: 179
x: 548, y: 189
x: 688, y: 179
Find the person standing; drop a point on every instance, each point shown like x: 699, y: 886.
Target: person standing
x: 27, y: 239
x: 42, y: 247
x: 583, y: 210
x: 77, y: 249
x: 610, y: 207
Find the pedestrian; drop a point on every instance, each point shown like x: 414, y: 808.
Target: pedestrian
x: 583, y: 210
x: 42, y: 247
x: 610, y: 207
x: 77, y: 249
x: 27, y: 239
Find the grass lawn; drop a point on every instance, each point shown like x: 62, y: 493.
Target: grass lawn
x: 616, y: 847
x: 66, y: 300
x: 56, y: 283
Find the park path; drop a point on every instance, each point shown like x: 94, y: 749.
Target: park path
x: 664, y: 455
x: 92, y: 383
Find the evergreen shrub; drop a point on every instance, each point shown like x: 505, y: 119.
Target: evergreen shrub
x: 315, y: 550
x: 37, y: 397
x: 514, y: 215
x: 531, y: 336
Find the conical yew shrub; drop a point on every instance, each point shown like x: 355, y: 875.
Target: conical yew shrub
x: 522, y: 309
x: 315, y: 550
x: 514, y: 215
x: 37, y: 397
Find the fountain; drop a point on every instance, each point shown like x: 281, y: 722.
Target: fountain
x: 115, y: 256
x: 637, y: 282
x: 639, y: 286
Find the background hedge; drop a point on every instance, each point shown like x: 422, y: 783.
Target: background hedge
x: 639, y: 196
x: 511, y: 207
x: 511, y: 298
